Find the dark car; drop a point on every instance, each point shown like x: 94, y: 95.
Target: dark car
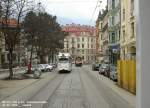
x: 95, y: 66
x: 104, y: 69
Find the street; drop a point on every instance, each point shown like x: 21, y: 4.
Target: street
x: 78, y: 89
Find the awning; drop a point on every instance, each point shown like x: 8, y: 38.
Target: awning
x: 117, y: 47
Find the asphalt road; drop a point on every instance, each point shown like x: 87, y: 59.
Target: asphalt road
x: 78, y: 89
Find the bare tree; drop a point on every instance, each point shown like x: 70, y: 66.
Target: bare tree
x: 13, y: 10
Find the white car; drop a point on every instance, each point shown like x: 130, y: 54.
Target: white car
x: 42, y: 67
x: 48, y: 67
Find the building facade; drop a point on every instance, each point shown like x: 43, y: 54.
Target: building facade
x: 128, y: 33
x: 114, y: 16
x: 101, y: 57
x: 103, y: 35
x: 81, y: 42
x: 98, y: 28
x: 18, y: 52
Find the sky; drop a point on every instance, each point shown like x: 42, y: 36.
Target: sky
x: 74, y: 11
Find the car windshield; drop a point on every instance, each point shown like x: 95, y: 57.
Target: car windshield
x: 63, y: 60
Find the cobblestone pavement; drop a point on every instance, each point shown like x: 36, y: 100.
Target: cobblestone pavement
x: 78, y: 89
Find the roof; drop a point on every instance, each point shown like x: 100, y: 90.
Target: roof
x: 11, y: 22
x: 77, y: 29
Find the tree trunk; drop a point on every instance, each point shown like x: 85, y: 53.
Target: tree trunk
x: 11, y: 63
x: 19, y: 64
x: 30, y: 62
x: 41, y: 59
x: 52, y: 56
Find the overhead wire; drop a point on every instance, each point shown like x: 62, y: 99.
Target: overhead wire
x: 98, y: 1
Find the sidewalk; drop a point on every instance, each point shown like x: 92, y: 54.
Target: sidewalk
x: 9, y: 88
x: 127, y: 96
x: 5, y: 72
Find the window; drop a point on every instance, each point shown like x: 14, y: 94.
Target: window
x: 101, y: 25
x: 78, y: 46
x: 132, y: 29
x: 123, y: 35
x: 119, y: 36
x: 82, y: 45
x: 113, y: 37
x: 82, y: 51
x: 113, y: 20
x: 123, y: 17
x: 92, y: 40
x: 91, y: 46
x: 83, y: 39
x: 83, y: 57
x: 124, y: 54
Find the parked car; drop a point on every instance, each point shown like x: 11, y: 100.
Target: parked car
x: 42, y: 67
x: 107, y: 71
x: 113, y: 73
x: 103, y: 69
x: 95, y: 66
x: 54, y: 65
x: 48, y: 67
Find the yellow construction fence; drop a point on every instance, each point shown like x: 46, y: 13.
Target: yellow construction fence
x: 127, y: 75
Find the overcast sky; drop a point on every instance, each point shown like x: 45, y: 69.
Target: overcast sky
x: 74, y: 11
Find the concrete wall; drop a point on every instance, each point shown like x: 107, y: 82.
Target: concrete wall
x: 143, y: 53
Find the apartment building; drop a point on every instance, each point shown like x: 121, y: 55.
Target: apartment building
x: 18, y: 53
x: 103, y: 35
x: 128, y: 33
x: 81, y: 41
x: 114, y: 30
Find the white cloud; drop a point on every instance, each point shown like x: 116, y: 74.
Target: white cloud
x: 73, y: 9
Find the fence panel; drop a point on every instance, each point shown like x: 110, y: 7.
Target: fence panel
x: 127, y: 75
